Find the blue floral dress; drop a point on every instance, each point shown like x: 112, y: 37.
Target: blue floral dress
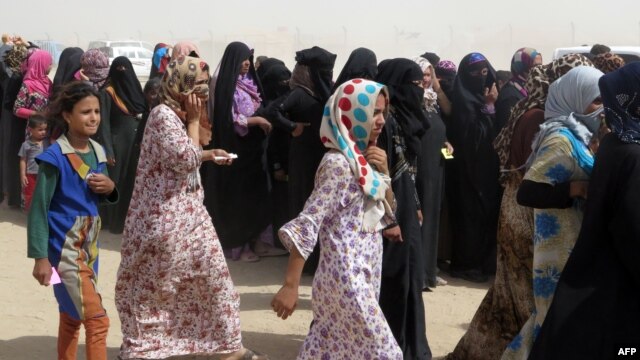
x: 555, y: 230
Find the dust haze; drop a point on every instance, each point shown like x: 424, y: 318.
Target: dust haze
x: 277, y: 28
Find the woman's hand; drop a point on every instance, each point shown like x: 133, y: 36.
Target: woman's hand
x: 221, y: 153
x: 449, y: 147
x: 377, y: 158
x: 42, y: 271
x: 298, y: 130
x: 491, y: 95
x: 285, y: 301
x: 393, y: 234
x: 111, y: 161
x: 83, y: 77
x: 194, y: 106
x: 578, y: 189
x: 260, y: 121
x: 100, y: 184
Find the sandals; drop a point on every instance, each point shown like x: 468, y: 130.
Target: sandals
x: 249, y: 256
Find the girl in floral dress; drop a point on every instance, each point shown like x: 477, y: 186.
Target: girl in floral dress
x: 346, y: 211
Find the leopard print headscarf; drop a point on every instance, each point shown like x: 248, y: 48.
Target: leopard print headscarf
x: 608, y: 62
x: 540, y: 77
x: 15, y: 57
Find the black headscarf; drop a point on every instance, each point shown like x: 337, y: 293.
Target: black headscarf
x: 126, y: 85
x: 68, y: 65
x: 362, y: 63
x: 320, y: 63
x: 406, y: 98
x: 224, y: 85
x: 433, y: 58
x: 265, y: 65
x: 275, y: 79
x: 468, y: 100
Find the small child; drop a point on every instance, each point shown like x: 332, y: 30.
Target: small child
x: 36, y: 143
x: 63, y: 223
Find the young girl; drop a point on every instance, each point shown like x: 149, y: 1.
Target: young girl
x: 63, y: 224
x: 345, y: 211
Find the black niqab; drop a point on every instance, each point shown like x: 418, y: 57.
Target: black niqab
x: 361, y: 64
x: 127, y: 86
x: 320, y: 63
x: 265, y: 65
x: 276, y: 82
x: 68, y: 65
x: 468, y: 95
x: 400, y: 75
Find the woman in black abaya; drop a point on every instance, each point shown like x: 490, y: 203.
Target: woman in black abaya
x: 237, y: 196
x: 475, y: 195
x: 403, y: 261
x: 361, y: 64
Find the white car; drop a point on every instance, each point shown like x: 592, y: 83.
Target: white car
x: 628, y: 53
x: 140, y: 54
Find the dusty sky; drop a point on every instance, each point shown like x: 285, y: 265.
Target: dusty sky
x: 392, y: 28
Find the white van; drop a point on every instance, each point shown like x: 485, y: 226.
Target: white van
x: 628, y: 53
x: 140, y: 54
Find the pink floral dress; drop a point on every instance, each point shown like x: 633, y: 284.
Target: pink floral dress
x: 174, y: 293
x: 347, y: 320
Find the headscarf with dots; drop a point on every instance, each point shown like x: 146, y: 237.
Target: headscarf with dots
x: 346, y: 127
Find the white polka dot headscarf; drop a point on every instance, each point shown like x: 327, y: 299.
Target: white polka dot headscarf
x: 346, y: 125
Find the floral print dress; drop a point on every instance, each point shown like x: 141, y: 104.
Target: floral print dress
x: 347, y: 320
x: 174, y: 293
x: 555, y: 234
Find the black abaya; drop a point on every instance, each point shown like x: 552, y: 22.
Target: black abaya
x: 236, y: 196
x: 402, y: 262
x: 13, y: 135
x: 475, y: 191
x: 430, y: 185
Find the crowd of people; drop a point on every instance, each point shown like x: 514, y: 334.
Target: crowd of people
x: 372, y: 183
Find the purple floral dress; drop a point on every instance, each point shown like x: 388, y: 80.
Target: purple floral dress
x: 347, y: 320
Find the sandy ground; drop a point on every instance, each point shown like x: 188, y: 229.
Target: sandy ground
x: 29, y: 316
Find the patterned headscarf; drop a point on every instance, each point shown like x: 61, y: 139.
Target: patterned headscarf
x: 95, y: 66
x: 346, y: 127
x: 15, y: 57
x: 540, y: 77
x: 620, y: 91
x: 521, y: 63
x: 184, y: 48
x: 430, y: 96
x: 36, y: 77
x: 608, y: 62
x: 179, y: 81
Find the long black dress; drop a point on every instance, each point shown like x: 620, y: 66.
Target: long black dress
x: 508, y: 98
x: 596, y: 306
x: 430, y: 185
x: 236, y: 196
x: 475, y: 193
x: 402, y: 263
x: 306, y: 150
x: 13, y: 129
x: 118, y: 132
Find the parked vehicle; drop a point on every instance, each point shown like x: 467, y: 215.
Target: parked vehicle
x: 140, y: 53
x: 628, y: 53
